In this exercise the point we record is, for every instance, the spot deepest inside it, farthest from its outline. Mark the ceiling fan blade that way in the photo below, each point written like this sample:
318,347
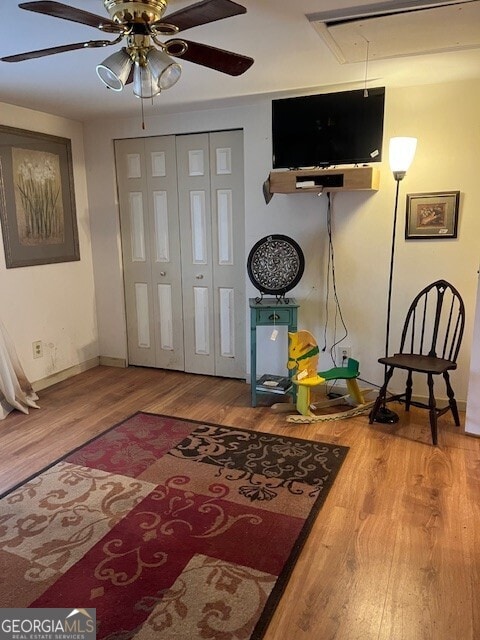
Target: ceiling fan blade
225,61
59,10
203,13
40,53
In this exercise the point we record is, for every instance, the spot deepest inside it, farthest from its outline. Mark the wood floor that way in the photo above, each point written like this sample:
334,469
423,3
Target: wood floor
395,551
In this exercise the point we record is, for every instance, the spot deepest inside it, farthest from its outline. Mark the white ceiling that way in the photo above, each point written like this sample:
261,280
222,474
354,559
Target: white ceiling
289,54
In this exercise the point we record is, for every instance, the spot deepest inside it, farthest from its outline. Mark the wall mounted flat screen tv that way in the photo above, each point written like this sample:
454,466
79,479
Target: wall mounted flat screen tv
328,129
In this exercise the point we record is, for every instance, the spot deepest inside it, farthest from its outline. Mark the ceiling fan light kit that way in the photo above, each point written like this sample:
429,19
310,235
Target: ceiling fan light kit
153,70
141,23
166,71
144,84
114,71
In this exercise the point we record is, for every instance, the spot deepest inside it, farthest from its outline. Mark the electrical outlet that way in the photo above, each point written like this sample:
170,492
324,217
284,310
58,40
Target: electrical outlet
343,354
37,348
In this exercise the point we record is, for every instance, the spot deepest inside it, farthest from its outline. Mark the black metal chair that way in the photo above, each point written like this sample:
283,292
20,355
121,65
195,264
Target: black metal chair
430,343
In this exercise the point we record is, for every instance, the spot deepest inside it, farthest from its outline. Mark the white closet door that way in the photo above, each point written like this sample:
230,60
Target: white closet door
193,169
228,244
132,191
147,185
182,220
160,153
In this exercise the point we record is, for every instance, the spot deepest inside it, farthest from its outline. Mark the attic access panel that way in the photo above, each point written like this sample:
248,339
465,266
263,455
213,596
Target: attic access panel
408,32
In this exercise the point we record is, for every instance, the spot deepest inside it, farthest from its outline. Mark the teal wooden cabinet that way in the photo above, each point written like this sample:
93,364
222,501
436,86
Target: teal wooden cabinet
268,311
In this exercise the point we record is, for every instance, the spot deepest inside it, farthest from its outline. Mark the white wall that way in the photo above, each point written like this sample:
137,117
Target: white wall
54,303
472,422
443,117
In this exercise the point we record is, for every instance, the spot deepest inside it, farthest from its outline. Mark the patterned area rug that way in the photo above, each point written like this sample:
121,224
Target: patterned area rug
171,529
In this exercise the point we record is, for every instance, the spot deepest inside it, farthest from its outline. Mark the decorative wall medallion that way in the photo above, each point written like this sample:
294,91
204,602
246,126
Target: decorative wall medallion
275,265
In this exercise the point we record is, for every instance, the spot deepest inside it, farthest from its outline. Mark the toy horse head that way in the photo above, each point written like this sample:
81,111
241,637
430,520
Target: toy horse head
303,353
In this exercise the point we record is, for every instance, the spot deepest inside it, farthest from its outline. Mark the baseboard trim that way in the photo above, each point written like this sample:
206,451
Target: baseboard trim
59,376
106,361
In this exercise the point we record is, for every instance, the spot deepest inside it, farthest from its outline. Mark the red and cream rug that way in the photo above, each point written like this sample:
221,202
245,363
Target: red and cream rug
172,529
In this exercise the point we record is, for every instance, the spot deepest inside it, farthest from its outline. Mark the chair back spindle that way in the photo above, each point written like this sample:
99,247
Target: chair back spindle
435,322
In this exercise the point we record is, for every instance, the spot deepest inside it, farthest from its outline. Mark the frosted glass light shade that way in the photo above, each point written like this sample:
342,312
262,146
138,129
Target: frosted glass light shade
401,154
145,84
114,70
163,68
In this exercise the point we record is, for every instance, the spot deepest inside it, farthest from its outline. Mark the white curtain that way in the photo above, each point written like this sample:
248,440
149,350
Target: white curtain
15,390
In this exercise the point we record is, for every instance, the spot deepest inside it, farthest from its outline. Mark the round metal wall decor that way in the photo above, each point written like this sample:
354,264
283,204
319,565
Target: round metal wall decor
275,264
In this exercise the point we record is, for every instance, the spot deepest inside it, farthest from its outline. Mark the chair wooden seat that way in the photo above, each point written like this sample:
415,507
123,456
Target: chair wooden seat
430,343
420,363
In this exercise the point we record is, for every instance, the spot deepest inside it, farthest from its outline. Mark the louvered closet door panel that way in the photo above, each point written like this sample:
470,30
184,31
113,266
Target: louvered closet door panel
164,238
193,170
228,243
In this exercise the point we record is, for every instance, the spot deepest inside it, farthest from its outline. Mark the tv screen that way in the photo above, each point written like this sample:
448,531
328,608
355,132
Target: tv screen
328,129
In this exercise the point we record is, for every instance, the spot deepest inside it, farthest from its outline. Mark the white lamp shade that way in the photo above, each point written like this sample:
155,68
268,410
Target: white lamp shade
145,84
163,68
115,69
401,153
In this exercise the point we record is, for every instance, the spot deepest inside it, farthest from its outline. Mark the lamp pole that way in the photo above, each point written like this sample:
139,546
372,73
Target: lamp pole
402,151
384,415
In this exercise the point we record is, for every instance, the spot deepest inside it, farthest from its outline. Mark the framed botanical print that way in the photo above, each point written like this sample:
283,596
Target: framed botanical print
37,198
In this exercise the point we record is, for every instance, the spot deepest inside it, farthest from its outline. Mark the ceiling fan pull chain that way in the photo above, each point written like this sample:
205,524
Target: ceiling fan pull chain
143,115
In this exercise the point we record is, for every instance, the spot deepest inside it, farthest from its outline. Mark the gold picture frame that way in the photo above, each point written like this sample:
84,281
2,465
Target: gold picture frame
37,198
432,215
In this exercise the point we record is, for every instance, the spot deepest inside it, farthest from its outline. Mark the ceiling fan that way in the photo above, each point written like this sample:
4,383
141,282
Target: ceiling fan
145,59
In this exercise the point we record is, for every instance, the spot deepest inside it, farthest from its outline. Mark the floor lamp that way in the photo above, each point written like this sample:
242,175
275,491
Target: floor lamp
401,154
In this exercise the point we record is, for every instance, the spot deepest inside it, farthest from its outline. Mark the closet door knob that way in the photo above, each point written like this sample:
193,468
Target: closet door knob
199,276
163,273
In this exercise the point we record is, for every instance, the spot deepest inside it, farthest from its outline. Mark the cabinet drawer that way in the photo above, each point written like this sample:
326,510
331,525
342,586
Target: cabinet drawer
274,316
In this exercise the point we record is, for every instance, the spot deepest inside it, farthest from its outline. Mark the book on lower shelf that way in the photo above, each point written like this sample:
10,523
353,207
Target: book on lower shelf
274,384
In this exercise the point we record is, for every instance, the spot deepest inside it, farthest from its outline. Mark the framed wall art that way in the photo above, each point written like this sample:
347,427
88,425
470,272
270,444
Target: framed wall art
432,215
37,198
